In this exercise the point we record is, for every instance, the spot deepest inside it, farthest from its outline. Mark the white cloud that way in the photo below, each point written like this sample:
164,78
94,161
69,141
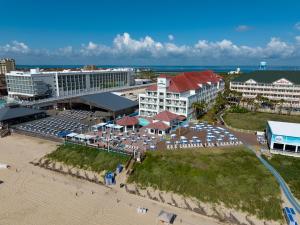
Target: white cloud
297,25
125,44
15,47
242,28
126,49
68,50
92,49
278,48
171,37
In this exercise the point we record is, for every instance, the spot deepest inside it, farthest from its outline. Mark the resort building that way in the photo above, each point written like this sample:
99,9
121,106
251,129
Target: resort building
37,84
176,94
283,138
275,85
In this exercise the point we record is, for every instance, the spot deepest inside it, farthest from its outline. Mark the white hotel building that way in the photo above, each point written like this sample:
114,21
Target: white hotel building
176,94
37,84
274,85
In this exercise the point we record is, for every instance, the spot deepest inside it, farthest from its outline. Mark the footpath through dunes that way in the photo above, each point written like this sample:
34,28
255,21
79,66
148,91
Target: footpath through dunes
233,177
33,195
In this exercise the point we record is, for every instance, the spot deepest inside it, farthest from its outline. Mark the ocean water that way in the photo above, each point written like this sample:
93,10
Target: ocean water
169,68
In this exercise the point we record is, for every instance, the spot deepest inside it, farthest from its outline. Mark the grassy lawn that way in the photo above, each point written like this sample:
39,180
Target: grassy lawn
232,176
87,158
289,169
256,121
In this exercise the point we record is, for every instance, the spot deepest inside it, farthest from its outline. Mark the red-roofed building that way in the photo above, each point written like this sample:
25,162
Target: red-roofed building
163,122
176,94
159,128
128,121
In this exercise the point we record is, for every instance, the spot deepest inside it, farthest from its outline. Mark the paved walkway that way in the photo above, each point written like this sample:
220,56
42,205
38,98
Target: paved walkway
280,180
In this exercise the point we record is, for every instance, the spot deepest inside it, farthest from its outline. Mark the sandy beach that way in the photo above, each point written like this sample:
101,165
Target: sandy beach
35,196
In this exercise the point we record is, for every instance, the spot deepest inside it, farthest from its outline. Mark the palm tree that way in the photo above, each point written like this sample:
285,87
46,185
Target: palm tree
199,108
250,102
235,96
281,102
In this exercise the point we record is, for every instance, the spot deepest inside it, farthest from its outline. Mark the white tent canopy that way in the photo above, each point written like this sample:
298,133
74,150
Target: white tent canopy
97,126
114,126
72,135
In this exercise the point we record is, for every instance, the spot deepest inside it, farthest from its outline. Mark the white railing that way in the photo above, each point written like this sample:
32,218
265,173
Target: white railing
53,99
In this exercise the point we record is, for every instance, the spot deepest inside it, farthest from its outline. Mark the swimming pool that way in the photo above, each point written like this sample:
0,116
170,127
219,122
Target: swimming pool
2,103
143,122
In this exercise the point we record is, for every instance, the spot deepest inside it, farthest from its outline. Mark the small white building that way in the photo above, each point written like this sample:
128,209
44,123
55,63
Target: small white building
283,137
164,122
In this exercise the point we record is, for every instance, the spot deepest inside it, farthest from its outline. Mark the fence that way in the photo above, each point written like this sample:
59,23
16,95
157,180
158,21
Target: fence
48,138
119,151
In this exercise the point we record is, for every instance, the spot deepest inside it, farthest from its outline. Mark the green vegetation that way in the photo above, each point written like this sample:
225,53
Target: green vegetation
238,109
233,176
256,121
146,74
289,169
199,108
87,158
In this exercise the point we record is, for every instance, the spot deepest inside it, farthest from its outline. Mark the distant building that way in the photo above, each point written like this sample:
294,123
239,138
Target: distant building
176,94
37,84
283,138
274,85
237,71
90,67
6,65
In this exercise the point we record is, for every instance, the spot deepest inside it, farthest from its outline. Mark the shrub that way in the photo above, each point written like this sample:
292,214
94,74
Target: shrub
238,109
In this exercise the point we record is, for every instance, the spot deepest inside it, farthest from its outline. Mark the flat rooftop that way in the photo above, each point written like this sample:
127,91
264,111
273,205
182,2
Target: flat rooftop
285,129
67,71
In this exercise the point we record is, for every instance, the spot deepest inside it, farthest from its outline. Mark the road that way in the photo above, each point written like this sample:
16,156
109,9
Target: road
280,180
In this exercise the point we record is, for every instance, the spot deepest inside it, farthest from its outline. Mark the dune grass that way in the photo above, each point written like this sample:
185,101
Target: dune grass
256,121
87,158
289,169
233,176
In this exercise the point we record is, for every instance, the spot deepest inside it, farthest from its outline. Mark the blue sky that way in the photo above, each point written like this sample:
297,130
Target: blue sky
151,32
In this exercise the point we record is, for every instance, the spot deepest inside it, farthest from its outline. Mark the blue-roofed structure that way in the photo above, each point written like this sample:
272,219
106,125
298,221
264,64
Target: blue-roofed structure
107,102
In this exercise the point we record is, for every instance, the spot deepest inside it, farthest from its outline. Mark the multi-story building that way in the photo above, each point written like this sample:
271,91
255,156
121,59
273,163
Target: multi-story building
176,94
275,85
6,65
40,84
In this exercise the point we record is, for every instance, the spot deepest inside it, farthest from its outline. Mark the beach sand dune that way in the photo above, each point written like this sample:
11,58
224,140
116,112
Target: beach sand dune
35,196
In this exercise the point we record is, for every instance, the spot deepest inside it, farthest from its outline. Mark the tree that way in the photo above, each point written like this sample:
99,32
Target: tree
250,102
220,103
199,108
234,96
281,102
